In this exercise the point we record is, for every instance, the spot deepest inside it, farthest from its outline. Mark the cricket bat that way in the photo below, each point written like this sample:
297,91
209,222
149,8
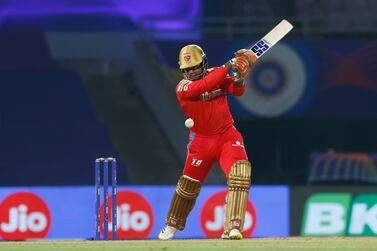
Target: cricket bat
269,40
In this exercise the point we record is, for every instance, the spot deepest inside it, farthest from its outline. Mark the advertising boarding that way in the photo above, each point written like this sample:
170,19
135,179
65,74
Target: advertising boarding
69,212
334,211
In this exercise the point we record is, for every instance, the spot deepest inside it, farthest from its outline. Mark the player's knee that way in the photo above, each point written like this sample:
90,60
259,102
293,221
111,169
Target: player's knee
240,175
188,188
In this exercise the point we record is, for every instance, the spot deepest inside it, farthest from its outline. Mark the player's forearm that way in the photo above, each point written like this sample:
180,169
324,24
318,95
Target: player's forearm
238,90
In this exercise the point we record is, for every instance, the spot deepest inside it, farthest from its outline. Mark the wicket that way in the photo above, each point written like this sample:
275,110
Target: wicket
104,164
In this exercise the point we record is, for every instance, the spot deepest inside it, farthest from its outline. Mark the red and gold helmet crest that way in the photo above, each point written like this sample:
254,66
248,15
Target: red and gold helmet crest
187,56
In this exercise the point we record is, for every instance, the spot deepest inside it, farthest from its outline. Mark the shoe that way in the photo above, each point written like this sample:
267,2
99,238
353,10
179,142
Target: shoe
235,234
225,236
167,233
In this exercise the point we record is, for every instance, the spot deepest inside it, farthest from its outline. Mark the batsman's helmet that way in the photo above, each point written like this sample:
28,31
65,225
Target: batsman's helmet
192,62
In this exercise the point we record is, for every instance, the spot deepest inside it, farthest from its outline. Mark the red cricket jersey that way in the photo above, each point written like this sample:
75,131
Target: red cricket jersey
205,101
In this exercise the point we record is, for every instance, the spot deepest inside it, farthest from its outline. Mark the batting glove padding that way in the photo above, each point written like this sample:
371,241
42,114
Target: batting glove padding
248,54
242,65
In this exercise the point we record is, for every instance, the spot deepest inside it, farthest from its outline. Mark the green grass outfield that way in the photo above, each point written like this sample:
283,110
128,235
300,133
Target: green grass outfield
257,244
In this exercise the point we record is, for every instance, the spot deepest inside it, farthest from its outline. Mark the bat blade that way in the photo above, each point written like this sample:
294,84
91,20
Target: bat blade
271,38
278,32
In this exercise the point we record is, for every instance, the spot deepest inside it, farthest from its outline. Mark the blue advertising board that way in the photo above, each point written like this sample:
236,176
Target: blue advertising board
68,212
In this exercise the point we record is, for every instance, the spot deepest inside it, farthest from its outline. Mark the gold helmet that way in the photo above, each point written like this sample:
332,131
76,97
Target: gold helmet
191,59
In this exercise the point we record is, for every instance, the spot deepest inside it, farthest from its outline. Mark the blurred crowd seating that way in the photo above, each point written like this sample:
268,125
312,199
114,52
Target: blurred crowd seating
343,167
49,130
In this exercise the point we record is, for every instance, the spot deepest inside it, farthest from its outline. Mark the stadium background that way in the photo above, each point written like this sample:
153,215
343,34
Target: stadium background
80,80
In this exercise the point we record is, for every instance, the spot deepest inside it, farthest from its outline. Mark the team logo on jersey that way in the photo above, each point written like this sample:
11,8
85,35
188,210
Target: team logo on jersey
238,144
187,56
183,85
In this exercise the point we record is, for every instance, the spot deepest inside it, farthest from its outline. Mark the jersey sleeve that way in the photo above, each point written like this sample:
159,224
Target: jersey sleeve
231,87
187,90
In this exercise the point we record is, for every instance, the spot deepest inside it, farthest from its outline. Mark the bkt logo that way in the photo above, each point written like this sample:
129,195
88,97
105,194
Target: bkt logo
337,214
135,216
213,216
24,215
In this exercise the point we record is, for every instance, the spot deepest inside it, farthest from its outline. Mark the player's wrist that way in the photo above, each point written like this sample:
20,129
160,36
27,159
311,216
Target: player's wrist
239,82
228,65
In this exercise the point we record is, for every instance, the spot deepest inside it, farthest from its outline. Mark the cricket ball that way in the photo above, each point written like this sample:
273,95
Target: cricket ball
189,123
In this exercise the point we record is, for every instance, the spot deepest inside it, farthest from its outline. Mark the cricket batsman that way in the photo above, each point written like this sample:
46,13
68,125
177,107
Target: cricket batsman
202,96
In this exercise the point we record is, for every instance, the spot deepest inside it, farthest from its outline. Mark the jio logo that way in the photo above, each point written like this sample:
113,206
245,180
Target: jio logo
135,216
212,216
24,215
